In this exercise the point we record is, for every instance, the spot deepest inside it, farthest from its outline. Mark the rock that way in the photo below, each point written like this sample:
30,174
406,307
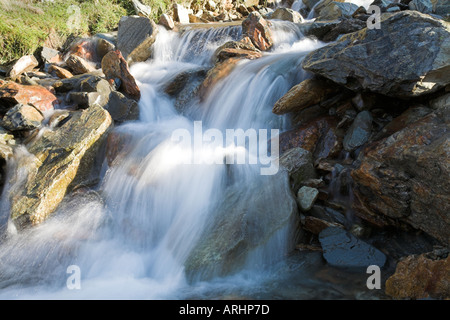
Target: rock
22,117
306,197
78,65
287,15
337,10
342,249
135,38
6,144
60,72
210,5
118,145
411,115
250,3
441,7
318,29
74,83
166,21
344,27
298,163
114,67
121,108
85,100
327,214
419,277
315,225
359,132
369,59
12,93
238,49
246,219
319,136
141,9
440,102
24,64
62,156
103,47
404,179
424,6
49,55
242,9
305,94
195,19
96,84
180,14
85,48
258,30
214,75
181,80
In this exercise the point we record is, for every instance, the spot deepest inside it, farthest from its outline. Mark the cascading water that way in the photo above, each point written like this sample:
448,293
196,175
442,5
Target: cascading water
132,237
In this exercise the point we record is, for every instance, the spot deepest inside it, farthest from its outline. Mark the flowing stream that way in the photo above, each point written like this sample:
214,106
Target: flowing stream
131,238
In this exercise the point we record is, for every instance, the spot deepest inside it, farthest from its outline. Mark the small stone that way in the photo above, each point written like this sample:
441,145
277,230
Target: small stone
79,65
60,72
22,117
306,197
24,64
359,132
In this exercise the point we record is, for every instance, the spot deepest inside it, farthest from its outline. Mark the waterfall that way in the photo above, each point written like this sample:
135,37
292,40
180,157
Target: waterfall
133,235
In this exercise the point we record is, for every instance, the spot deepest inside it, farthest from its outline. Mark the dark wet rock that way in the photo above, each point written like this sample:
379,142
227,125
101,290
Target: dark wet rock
342,249
121,108
343,27
359,132
386,60
316,225
135,37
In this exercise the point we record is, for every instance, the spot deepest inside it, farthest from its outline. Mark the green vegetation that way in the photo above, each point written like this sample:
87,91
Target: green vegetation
26,24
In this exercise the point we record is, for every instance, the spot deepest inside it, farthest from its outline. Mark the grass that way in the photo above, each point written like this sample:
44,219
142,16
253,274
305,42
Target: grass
26,24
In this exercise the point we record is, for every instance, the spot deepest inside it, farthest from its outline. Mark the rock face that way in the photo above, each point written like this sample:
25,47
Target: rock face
22,117
115,67
258,30
419,277
305,94
135,37
342,249
12,93
387,60
245,220
405,178
60,157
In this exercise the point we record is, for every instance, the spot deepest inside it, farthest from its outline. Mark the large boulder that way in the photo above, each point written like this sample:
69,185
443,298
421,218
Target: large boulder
135,37
60,157
245,220
258,30
387,60
12,93
405,178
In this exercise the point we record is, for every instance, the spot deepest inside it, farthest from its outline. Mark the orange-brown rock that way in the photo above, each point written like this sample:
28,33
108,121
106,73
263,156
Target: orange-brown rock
214,75
418,277
114,66
319,136
12,93
405,178
60,72
258,30
305,94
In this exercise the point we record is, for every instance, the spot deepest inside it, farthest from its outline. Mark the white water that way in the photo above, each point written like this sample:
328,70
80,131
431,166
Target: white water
131,239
